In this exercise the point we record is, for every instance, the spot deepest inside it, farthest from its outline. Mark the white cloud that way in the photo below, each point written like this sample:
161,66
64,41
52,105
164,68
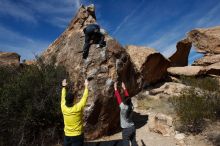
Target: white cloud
209,19
11,36
148,26
35,11
76,2
127,18
166,44
16,42
210,16
16,10
59,22
169,50
164,40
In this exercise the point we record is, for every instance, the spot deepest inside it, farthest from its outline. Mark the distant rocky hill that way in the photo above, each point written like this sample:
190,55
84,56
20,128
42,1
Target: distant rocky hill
9,59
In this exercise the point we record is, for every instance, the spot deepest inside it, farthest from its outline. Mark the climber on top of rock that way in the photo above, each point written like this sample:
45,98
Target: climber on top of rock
93,35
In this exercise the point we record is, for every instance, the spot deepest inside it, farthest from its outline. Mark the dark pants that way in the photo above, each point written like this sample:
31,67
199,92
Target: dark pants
97,38
129,134
74,140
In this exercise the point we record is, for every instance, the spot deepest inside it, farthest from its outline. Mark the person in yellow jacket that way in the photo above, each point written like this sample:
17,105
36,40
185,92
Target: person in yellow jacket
73,116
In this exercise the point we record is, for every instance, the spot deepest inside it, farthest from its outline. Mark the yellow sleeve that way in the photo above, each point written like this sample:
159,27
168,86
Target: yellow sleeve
63,95
81,104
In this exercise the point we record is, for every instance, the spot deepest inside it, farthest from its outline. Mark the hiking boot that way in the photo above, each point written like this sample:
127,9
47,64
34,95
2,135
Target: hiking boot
100,46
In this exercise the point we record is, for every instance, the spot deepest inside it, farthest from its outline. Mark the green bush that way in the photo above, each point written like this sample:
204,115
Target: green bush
194,106
205,83
30,105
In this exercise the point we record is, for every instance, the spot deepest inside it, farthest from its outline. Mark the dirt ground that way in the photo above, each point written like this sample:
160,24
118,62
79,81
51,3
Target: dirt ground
147,138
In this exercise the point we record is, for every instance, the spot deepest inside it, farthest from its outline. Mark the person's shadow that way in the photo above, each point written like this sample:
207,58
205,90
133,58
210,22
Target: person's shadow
109,143
105,143
142,142
139,120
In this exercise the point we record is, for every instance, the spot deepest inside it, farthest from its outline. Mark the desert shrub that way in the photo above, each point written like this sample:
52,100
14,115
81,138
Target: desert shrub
194,105
30,105
205,83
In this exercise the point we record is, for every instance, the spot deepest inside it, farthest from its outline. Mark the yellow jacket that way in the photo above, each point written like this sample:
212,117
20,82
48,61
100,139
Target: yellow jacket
73,122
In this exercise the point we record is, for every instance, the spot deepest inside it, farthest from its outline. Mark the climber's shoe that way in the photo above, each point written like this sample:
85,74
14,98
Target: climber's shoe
86,62
98,46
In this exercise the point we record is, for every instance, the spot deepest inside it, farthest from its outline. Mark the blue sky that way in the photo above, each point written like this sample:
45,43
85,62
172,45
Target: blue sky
29,26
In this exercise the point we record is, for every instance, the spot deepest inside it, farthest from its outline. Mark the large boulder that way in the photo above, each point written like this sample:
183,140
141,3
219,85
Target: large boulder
206,40
213,69
149,63
186,71
208,59
180,57
103,67
161,123
168,89
8,59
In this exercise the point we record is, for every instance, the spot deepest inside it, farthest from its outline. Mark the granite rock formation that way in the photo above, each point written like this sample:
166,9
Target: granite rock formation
206,40
8,59
180,57
104,66
150,64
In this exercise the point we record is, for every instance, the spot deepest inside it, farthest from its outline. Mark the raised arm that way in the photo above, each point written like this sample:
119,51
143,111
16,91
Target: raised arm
117,95
63,92
125,89
81,104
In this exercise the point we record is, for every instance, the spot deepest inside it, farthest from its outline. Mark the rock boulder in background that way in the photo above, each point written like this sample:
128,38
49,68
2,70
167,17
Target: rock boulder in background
206,40
186,71
208,59
8,59
180,57
150,64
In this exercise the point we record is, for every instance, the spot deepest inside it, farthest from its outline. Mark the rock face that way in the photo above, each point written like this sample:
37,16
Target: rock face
186,71
169,89
206,40
180,57
29,62
9,59
149,63
207,60
213,69
161,123
104,66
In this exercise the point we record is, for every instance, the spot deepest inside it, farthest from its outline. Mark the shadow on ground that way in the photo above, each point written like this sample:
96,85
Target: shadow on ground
105,143
139,120
109,143
215,139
